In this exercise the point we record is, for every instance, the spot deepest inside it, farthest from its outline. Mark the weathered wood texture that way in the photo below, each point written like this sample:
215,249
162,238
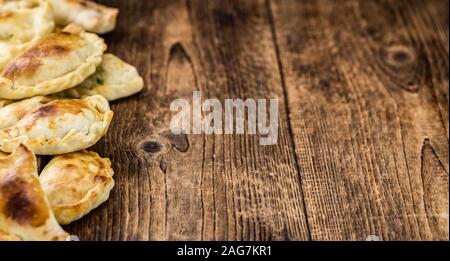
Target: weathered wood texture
367,87
363,139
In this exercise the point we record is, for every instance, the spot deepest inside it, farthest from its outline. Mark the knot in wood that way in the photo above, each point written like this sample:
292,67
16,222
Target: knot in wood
152,146
400,55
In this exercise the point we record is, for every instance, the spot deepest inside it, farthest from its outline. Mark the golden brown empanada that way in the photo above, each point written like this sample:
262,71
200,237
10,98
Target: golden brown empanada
12,113
114,79
60,126
54,63
76,183
22,23
91,16
24,211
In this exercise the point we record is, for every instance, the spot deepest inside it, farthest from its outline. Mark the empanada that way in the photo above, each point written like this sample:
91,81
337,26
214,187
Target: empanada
12,113
24,211
76,183
114,79
60,126
55,63
91,16
22,23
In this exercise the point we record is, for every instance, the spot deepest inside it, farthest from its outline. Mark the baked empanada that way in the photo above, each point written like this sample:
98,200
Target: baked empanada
24,211
22,23
76,183
60,126
91,16
12,113
54,63
114,79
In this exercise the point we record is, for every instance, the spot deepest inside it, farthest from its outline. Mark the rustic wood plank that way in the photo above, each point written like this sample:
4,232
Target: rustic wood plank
194,187
367,88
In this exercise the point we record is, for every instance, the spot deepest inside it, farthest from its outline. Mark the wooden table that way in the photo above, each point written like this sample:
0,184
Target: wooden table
364,125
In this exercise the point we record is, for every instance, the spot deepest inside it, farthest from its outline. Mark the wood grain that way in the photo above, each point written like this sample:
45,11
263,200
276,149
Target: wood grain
363,138
367,84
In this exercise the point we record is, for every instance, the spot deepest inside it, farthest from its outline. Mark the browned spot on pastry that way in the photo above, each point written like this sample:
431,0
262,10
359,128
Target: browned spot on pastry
55,45
100,179
23,65
22,112
59,107
34,4
6,15
82,3
21,203
45,100
19,207
52,110
46,110
70,166
101,164
66,156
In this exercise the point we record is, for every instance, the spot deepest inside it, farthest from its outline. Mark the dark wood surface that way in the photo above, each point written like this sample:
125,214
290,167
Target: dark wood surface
364,125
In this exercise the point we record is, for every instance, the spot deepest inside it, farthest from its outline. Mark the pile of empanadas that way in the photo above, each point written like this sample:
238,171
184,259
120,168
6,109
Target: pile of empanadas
56,82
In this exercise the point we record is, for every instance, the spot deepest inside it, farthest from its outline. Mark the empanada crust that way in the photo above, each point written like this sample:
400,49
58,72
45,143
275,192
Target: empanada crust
7,237
21,24
55,63
60,126
14,112
114,79
3,102
93,17
76,183
24,210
